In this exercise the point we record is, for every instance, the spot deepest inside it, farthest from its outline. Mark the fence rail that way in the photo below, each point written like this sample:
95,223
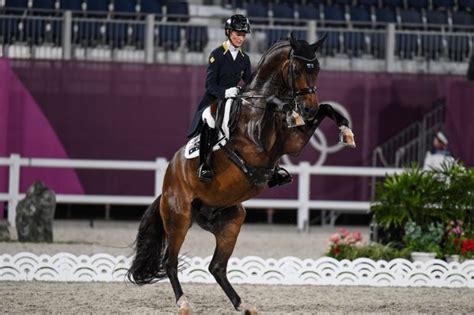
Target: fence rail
303,204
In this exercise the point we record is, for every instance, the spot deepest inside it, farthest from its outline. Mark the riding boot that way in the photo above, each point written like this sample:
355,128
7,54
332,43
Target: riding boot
280,177
205,172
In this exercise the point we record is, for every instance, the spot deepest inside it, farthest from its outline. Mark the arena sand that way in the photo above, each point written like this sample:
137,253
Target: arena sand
262,240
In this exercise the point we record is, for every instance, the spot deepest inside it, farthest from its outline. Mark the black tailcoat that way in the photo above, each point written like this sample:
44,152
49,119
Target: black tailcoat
223,72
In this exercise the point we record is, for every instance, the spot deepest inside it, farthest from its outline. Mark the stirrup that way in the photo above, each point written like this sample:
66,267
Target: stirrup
205,173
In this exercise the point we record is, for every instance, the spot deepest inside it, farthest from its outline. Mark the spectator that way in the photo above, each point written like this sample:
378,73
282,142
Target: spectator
440,154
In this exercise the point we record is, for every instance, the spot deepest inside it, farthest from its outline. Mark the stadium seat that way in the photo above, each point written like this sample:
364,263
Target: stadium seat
257,13
124,7
283,11
196,38
392,3
459,48
436,18
361,16
94,6
462,18
410,18
17,4
334,16
9,30
443,4
332,45
308,12
466,4
406,45
342,2
275,34
116,34
44,4
368,3
385,15
169,36
73,5
151,7
177,11
417,4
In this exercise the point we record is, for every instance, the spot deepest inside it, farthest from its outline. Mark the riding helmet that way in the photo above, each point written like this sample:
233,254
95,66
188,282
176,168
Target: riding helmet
238,23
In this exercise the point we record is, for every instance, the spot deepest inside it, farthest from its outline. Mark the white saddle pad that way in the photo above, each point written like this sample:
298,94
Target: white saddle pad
192,147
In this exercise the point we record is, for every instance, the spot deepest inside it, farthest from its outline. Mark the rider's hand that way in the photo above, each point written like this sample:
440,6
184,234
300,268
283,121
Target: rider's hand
231,92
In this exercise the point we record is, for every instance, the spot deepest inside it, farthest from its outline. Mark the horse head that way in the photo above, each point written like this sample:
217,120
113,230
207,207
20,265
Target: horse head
300,72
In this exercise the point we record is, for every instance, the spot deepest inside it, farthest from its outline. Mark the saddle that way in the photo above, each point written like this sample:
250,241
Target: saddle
225,119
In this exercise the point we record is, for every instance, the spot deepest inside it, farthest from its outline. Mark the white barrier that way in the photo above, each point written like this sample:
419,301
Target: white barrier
255,270
303,204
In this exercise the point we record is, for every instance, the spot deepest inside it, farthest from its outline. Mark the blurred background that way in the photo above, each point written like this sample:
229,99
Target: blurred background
111,81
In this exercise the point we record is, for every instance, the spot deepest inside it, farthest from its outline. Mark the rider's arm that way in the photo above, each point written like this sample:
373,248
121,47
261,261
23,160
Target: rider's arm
212,76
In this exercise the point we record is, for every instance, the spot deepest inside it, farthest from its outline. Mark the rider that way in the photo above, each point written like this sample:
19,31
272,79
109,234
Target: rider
228,66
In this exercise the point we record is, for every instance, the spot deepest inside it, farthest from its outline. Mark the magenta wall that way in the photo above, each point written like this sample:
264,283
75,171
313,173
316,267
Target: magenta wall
140,112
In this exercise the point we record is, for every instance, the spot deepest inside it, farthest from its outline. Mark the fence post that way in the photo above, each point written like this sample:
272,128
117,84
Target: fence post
160,170
390,47
67,35
304,182
13,187
149,27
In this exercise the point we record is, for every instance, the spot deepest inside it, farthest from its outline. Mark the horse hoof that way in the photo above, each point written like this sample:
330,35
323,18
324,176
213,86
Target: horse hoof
346,137
184,306
247,309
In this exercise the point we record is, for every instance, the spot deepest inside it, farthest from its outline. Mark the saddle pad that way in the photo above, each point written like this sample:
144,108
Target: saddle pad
192,147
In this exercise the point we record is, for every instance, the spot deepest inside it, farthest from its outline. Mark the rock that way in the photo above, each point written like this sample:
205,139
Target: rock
35,214
4,232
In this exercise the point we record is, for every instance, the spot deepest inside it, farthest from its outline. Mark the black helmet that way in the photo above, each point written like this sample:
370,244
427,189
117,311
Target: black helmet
238,23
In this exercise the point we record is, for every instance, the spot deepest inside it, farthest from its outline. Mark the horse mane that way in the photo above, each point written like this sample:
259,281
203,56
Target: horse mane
277,45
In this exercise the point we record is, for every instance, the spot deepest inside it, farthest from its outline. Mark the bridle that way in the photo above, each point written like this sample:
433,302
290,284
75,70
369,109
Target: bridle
294,93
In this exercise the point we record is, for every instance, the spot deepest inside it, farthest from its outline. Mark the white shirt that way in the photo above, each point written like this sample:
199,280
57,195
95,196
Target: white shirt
233,50
437,159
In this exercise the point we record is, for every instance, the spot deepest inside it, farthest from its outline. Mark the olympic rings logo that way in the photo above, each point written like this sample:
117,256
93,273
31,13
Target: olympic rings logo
319,142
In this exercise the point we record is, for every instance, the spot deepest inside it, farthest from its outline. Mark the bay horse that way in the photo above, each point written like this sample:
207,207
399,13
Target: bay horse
284,82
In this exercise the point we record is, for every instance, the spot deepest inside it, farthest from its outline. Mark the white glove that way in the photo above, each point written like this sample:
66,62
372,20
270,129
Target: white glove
231,92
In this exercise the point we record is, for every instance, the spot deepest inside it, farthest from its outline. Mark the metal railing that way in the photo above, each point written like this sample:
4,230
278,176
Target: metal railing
149,38
303,203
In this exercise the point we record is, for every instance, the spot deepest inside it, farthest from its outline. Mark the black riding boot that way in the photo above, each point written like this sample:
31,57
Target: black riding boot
280,177
205,172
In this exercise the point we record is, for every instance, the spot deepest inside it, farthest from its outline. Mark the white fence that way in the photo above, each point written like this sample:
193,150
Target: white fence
303,204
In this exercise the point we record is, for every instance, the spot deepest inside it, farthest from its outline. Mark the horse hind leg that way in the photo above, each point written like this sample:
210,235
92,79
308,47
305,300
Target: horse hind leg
176,225
226,228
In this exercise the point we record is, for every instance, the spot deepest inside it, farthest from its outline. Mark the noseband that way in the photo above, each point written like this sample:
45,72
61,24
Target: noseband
295,93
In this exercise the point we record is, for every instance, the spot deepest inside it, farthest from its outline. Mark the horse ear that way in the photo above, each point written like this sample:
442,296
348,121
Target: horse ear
318,44
293,41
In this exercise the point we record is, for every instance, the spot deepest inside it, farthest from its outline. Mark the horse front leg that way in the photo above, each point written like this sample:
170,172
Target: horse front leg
346,136
226,228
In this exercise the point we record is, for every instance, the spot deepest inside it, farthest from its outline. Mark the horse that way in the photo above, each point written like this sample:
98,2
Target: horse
282,87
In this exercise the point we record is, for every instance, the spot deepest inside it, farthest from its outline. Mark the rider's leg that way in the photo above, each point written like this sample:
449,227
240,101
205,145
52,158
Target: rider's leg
280,177
207,138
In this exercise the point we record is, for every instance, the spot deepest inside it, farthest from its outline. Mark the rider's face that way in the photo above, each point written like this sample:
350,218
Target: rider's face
237,38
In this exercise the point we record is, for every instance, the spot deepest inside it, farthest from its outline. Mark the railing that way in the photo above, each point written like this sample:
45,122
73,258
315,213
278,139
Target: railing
303,203
377,47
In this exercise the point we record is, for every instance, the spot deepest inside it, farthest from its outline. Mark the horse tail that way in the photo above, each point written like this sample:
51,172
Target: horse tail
147,265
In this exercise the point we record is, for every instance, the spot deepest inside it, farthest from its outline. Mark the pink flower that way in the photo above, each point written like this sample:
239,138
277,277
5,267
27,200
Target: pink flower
335,238
357,236
344,232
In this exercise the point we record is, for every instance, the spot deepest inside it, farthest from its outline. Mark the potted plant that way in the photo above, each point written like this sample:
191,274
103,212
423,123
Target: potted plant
453,240
424,244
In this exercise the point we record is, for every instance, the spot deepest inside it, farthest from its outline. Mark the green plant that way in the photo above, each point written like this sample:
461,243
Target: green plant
428,239
439,195
409,196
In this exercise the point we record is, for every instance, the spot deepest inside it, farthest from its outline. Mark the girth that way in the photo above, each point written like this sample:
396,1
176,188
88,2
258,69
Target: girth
257,176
